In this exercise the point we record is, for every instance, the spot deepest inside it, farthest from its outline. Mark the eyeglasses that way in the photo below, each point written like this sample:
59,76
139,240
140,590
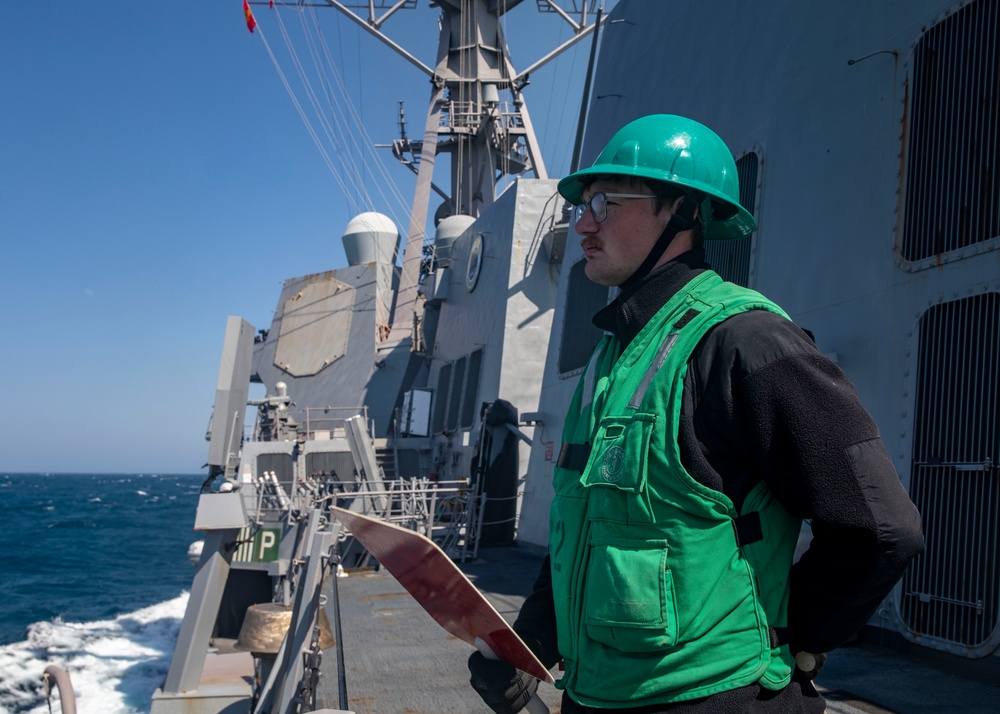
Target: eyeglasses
598,204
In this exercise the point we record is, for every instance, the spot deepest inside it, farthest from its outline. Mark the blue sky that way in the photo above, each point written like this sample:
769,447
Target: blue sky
156,177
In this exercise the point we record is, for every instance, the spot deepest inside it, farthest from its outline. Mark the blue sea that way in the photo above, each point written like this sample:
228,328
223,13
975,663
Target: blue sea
96,578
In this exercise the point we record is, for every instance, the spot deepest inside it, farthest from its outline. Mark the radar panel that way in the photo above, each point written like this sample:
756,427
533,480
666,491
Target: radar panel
315,327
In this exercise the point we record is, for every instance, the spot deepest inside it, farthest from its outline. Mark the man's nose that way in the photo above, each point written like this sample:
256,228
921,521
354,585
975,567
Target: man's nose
585,223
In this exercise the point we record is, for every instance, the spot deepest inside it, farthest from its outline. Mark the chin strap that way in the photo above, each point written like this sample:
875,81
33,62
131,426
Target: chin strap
682,220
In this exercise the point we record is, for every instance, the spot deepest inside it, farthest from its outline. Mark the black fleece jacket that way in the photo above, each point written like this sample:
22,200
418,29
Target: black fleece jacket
761,403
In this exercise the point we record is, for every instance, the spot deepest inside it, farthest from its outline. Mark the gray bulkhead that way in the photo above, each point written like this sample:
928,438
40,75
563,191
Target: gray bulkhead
823,95
328,326
506,314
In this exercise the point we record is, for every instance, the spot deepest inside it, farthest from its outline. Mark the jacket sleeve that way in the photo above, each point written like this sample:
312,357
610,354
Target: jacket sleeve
536,622
820,453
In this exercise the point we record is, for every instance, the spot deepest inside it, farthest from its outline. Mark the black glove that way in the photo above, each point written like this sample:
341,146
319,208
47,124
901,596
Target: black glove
504,689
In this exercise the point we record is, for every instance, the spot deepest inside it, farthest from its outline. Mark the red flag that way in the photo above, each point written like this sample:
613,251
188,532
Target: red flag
272,4
251,23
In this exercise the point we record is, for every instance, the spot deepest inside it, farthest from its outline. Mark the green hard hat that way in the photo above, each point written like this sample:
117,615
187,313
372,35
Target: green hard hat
679,151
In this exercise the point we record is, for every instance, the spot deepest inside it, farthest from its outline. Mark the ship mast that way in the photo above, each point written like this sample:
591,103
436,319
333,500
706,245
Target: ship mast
476,114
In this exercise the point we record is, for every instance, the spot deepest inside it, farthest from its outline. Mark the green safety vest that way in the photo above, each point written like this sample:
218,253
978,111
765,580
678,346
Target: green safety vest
663,592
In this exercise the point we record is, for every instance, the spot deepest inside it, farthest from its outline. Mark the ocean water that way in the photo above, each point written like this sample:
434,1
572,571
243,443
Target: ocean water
95,580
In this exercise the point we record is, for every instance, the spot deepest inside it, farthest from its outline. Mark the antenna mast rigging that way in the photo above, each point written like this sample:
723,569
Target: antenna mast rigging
476,114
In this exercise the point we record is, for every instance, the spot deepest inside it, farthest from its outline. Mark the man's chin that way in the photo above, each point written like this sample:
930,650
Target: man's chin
595,275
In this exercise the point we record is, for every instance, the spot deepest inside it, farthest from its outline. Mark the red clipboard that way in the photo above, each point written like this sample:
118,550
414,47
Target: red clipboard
441,589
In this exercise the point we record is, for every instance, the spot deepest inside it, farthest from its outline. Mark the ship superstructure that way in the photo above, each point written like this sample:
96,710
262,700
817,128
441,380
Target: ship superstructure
866,140
399,393
866,137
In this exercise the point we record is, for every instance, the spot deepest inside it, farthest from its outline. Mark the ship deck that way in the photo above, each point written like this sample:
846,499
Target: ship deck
399,661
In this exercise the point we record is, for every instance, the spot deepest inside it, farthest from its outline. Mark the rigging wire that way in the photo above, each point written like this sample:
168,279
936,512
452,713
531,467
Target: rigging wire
361,88
563,120
323,114
337,124
340,133
327,67
298,107
332,111
352,118
368,145
455,111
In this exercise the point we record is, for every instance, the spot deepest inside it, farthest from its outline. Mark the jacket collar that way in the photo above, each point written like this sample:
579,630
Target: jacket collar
627,314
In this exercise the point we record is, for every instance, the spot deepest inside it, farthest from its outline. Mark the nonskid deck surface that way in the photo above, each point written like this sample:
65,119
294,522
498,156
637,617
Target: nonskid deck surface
399,661
878,680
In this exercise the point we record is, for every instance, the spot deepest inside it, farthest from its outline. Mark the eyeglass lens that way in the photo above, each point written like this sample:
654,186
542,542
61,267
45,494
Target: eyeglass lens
598,205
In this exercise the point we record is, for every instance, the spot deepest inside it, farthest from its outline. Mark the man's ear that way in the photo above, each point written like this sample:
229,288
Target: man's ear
677,204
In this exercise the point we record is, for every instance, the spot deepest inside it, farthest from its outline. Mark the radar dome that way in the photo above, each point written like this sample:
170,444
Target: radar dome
370,238
448,231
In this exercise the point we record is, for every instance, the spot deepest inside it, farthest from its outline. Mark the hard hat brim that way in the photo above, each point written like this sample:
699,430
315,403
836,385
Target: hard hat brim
739,225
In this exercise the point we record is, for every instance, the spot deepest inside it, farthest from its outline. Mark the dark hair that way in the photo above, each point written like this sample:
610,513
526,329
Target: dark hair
666,194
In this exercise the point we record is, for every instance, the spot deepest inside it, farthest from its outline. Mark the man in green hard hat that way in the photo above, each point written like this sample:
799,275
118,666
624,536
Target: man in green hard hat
704,429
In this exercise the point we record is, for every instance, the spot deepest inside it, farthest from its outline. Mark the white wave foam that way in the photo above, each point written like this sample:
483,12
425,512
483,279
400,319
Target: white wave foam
114,664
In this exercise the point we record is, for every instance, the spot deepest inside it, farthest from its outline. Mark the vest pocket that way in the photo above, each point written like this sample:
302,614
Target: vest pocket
629,601
616,472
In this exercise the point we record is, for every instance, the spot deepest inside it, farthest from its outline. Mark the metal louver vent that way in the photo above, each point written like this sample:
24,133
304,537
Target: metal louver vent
471,394
282,465
952,192
951,593
441,398
455,399
731,258
579,336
